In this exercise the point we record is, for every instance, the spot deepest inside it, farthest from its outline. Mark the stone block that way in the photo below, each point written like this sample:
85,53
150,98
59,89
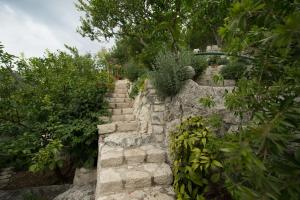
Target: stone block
110,181
157,129
126,139
117,111
159,108
127,126
127,110
159,138
163,175
120,91
156,155
111,156
123,105
117,100
134,156
137,179
157,118
151,168
114,95
112,105
107,128
116,118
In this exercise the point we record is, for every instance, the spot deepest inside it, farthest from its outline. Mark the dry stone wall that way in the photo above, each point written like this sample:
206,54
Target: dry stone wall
158,117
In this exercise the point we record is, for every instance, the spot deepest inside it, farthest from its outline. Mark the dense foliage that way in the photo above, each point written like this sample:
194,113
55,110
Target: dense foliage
263,159
170,72
49,109
143,28
235,69
138,86
195,165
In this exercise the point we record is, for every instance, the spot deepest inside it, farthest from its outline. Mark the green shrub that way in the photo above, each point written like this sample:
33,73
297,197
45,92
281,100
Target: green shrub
138,86
170,72
196,169
199,63
234,70
134,70
49,107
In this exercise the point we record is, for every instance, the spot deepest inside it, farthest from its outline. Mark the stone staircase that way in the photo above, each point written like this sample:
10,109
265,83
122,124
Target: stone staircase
129,165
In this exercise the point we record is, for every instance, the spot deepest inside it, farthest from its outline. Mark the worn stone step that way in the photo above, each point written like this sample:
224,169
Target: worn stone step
127,139
107,128
121,91
120,111
120,105
123,86
150,193
114,95
116,156
117,127
127,126
119,100
132,177
126,117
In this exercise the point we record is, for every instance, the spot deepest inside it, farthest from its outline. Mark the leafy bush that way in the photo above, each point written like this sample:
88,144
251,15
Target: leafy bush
170,72
49,108
134,70
199,63
138,86
196,168
234,70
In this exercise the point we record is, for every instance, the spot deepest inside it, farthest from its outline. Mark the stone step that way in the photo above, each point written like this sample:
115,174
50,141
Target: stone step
117,127
132,177
121,91
127,139
114,95
122,86
126,117
117,156
127,126
151,193
120,105
120,111
119,100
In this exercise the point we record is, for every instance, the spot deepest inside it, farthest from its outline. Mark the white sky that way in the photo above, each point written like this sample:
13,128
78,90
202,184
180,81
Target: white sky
32,26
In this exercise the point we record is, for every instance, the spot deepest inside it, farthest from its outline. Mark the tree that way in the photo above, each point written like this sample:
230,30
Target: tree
263,160
146,27
49,109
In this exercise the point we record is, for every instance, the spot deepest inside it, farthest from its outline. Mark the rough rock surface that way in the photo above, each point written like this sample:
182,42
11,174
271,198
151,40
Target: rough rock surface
86,192
84,176
43,192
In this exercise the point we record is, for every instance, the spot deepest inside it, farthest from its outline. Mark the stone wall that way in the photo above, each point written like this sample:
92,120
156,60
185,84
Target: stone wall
149,110
157,117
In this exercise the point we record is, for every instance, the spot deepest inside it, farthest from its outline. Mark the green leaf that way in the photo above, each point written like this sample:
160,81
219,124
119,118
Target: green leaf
215,177
217,163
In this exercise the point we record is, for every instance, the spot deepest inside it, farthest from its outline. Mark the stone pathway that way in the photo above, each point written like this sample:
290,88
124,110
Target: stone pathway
130,167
